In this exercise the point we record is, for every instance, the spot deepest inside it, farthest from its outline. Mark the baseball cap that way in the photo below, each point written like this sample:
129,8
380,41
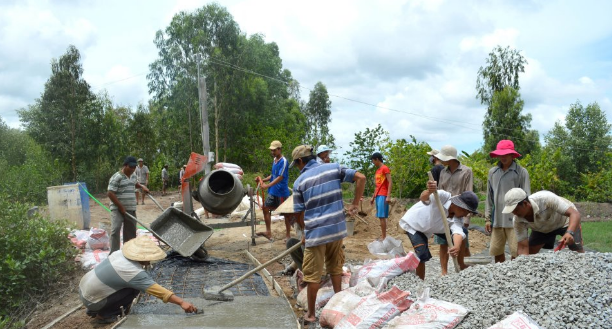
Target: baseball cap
275,145
323,148
140,160
130,161
300,152
466,200
512,198
447,153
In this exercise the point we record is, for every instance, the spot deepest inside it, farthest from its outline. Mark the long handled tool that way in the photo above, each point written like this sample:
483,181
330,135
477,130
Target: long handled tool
447,234
155,201
218,294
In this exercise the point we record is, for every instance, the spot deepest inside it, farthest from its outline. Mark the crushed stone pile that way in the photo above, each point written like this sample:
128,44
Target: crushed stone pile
558,290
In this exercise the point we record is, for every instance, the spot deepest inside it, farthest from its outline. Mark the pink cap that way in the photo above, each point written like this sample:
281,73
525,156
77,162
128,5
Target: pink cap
504,147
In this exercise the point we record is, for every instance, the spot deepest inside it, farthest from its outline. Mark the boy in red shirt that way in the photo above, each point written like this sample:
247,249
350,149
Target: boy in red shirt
382,194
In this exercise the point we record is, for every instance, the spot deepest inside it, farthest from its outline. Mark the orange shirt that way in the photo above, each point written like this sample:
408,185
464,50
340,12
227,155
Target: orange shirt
382,184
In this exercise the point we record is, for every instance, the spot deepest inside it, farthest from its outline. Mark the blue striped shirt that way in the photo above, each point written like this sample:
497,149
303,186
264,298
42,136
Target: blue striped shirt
317,192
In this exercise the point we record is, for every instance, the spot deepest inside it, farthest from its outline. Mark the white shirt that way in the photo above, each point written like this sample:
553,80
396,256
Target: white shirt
426,217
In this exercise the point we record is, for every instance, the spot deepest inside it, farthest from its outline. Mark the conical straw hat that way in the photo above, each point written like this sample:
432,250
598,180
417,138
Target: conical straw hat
142,249
286,207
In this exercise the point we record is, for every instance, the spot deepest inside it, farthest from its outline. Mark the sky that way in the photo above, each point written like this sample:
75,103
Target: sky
410,66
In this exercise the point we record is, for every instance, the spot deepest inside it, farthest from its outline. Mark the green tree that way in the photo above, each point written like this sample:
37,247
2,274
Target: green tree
362,147
318,116
504,120
584,140
409,166
502,70
58,119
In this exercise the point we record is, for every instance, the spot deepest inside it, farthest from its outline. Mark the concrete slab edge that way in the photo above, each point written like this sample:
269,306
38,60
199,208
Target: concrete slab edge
277,286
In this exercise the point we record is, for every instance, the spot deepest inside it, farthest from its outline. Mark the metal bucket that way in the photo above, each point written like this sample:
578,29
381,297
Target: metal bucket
220,192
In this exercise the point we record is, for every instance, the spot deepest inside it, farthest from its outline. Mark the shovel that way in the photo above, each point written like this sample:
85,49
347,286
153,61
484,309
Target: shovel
361,212
217,294
155,201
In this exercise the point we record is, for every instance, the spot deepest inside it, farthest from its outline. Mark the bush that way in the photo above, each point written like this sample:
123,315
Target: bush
35,254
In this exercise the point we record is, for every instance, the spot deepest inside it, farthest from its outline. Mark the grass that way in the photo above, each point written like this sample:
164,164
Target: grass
597,235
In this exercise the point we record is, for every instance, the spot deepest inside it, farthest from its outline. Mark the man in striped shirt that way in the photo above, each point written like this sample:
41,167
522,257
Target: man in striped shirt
121,187
317,198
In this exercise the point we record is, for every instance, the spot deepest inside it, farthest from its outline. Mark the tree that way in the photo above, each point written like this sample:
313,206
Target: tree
318,115
57,119
584,141
409,166
362,147
505,120
502,70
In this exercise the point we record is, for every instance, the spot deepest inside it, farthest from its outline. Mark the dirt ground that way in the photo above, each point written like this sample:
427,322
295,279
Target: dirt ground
230,244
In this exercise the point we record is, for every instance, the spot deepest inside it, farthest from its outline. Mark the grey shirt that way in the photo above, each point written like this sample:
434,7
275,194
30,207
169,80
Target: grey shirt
498,183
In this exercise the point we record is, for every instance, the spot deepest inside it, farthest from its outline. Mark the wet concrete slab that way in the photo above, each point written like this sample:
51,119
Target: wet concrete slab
242,312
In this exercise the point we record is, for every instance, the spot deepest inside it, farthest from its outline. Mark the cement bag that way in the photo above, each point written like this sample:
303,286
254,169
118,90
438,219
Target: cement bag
235,171
325,293
91,258
390,247
79,238
429,313
220,165
388,268
375,311
343,303
98,239
517,319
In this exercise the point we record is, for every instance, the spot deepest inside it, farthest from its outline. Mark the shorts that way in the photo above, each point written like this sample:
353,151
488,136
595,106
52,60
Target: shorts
382,207
499,237
548,239
420,245
273,202
441,238
139,190
330,254
166,184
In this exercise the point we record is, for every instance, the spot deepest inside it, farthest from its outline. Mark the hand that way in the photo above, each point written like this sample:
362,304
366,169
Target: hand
454,251
188,307
388,199
264,185
568,239
372,200
257,179
352,210
122,210
432,186
145,189
488,228
304,240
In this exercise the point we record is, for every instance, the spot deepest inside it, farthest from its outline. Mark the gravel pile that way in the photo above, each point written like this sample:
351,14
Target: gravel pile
560,290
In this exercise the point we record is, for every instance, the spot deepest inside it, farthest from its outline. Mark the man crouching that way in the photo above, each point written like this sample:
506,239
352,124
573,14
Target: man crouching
423,220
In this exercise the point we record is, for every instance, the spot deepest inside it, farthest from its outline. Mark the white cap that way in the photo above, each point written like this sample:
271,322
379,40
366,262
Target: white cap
323,148
447,153
512,198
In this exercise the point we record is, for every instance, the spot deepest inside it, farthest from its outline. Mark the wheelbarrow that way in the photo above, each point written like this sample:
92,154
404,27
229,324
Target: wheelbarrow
181,232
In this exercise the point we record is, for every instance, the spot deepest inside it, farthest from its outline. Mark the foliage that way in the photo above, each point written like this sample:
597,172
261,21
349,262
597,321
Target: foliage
542,171
480,163
585,140
36,253
504,120
597,186
502,70
318,114
362,148
409,165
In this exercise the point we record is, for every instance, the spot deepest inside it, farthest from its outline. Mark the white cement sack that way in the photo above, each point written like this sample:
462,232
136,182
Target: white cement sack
220,165
390,247
429,313
98,239
515,320
388,268
343,303
91,258
325,293
79,238
376,310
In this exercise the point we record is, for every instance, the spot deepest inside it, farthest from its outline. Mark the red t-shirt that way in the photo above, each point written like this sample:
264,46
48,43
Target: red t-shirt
382,184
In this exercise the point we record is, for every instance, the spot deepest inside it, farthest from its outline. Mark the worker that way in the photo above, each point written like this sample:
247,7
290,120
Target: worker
506,175
123,200
436,163
110,287
547,215
456,178
142,174
424,219
165,179
382,193
317,198
278,188
323,152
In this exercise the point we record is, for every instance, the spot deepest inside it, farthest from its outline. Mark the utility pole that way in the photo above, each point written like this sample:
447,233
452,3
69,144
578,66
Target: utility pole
202,98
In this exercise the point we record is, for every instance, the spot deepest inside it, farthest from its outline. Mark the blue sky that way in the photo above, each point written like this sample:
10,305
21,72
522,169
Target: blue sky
417,57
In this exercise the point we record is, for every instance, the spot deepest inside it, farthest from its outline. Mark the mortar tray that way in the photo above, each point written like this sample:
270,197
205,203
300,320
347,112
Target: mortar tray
180,231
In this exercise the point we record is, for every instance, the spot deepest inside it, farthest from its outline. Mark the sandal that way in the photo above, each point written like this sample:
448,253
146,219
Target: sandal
308,324
288,271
